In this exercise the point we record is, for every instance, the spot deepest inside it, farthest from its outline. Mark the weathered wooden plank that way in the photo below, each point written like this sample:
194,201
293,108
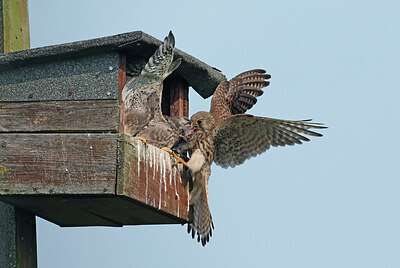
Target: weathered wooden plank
146,174
57,163
101,115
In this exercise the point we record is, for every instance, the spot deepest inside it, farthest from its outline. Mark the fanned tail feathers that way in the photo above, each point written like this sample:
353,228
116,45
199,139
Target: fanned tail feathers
160,63
200,216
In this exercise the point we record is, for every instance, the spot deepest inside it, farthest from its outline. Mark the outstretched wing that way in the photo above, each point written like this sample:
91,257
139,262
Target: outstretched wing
238,95
141,95
160,64
157,68
241,137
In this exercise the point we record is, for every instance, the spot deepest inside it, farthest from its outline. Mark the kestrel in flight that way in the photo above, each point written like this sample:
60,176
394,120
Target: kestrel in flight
229,137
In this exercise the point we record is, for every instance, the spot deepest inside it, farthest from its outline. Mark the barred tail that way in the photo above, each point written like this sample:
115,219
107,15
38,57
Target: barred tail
200,215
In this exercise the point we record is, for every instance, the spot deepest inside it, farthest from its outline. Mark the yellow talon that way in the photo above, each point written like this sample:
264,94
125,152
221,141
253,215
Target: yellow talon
142,139
168,150
178,159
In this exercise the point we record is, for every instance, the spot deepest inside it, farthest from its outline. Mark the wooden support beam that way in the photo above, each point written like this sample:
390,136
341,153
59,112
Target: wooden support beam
14,25
179,96
25,238
17,227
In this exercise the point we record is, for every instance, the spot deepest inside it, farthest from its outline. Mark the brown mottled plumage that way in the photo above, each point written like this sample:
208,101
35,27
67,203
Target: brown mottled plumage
142,99
228,137
200,166
238,95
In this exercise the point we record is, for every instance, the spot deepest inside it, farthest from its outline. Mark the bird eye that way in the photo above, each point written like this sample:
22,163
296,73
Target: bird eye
199,122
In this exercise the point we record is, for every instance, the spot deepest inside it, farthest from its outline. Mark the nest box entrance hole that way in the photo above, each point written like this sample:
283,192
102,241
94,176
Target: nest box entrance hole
175,97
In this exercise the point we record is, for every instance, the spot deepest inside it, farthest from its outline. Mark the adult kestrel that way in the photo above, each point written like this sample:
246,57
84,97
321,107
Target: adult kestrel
228,137
142,96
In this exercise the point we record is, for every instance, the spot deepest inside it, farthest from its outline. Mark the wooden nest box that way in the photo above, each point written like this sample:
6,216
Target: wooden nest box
62,154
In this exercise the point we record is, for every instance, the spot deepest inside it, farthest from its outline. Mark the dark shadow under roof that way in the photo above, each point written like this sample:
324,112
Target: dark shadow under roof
200,76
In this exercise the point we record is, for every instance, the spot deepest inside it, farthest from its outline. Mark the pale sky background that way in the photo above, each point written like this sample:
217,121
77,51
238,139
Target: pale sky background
332,202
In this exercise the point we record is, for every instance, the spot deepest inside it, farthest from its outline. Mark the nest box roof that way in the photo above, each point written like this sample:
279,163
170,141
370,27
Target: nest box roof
200,76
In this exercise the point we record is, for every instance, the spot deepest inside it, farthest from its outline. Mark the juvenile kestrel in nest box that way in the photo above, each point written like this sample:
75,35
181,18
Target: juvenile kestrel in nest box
142,96
228,137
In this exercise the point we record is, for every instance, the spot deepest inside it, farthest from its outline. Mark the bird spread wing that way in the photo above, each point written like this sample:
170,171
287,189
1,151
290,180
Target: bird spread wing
243,136
238,95
157,68
160,63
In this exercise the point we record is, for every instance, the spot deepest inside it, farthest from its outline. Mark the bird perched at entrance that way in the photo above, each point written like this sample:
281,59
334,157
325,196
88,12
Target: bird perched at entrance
228,137
143,117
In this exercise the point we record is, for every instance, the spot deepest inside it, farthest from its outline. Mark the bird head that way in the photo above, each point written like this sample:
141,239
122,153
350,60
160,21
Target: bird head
202,121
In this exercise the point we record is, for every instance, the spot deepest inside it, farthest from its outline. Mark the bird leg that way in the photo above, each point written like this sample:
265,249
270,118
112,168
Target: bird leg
176,156
142,139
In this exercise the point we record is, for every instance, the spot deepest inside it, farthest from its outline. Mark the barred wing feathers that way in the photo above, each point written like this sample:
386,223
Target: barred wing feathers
243,136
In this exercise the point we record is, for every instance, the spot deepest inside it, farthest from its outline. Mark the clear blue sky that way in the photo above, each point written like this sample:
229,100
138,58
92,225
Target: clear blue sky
332,202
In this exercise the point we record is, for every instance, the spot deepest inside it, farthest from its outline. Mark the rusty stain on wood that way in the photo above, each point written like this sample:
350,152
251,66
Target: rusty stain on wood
121,85
58,163
149,177
100,115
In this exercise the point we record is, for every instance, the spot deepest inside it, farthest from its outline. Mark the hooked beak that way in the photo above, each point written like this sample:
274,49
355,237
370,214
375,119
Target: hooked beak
194,125
190,133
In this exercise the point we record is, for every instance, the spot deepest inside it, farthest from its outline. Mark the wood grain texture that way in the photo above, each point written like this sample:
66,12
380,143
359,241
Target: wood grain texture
121,85
15,26
146,174
179,96
100,115
57,163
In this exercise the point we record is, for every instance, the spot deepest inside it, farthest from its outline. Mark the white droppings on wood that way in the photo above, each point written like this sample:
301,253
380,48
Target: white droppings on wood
151,156
176,190
138,144
164,173
159,200
147,155
180,172
170,172
154,163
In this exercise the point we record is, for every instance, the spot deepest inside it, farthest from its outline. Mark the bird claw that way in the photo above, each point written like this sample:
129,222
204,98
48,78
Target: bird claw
143,140
176,156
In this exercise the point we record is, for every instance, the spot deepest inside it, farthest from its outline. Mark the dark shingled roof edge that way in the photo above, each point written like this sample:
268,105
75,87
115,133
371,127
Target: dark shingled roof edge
202,77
